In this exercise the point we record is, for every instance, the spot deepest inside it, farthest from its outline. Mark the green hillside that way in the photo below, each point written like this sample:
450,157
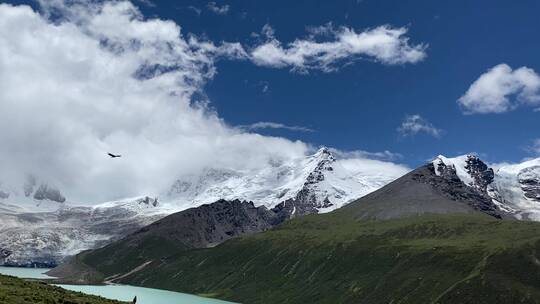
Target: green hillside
17,291
423,238
334,258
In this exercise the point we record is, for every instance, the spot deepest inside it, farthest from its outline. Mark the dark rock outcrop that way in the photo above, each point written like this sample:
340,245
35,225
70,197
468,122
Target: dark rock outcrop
306,200
451,186
529,179
148,201
45,192
210,224
480,172
4,253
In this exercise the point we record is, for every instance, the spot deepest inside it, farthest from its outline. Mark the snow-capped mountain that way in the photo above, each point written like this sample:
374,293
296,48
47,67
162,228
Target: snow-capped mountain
469,168
39,229
515,189
320,177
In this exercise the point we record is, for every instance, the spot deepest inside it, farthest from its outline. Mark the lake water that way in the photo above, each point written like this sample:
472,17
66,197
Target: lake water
116,292
25,273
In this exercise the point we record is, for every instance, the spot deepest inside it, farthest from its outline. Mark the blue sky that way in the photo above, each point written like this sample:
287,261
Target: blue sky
362,103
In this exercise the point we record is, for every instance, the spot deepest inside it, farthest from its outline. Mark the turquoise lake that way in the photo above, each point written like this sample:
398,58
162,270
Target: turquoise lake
117,292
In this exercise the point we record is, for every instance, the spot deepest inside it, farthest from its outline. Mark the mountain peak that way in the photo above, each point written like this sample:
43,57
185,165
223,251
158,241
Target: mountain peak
469,168
324,153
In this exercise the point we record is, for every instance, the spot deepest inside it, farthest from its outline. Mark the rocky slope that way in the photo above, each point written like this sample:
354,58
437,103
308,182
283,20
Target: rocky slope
515,188
431,189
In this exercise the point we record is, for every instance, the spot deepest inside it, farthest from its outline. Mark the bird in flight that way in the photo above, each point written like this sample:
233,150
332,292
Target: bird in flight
114,155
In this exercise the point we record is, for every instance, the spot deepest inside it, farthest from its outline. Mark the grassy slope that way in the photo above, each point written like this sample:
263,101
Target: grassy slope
334,258
123,256
17,291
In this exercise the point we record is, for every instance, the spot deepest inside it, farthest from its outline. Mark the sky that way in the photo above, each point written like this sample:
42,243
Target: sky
181,85
363,103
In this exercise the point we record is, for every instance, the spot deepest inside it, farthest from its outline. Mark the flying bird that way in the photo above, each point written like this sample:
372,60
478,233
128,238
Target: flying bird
114,155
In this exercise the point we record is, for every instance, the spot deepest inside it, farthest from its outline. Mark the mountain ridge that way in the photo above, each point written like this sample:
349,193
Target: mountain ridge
514,188
316,183
423,191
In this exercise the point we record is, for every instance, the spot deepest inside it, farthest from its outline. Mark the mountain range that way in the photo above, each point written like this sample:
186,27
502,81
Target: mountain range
435,235
38,230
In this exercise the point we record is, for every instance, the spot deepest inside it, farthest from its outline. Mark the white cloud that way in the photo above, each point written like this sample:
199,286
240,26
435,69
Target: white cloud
195,9
102,78
268,31
414,124
497,166
383,44
374,168
359,154
220,10
107,80
148,3
273,125
502,89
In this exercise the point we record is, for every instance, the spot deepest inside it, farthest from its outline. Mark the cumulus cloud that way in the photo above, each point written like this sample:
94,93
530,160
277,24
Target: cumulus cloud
104,79
215,8
414,124
384,44
82,79
502,89
274,125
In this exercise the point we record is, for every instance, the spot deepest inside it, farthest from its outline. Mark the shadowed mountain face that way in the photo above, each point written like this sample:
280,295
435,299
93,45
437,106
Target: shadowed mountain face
209,225
422,191
201,227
